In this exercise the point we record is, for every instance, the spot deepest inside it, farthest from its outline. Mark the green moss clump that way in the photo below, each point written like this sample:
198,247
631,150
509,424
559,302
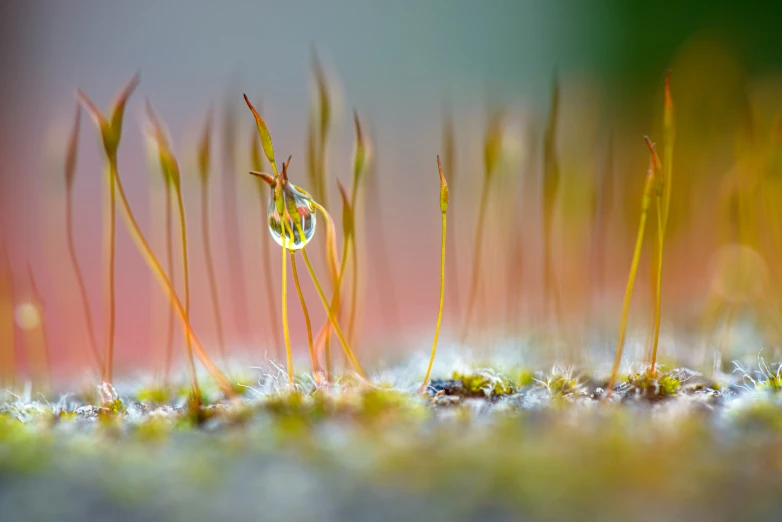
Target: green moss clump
153,395
660,386
772,382
115,407
484,384
561,382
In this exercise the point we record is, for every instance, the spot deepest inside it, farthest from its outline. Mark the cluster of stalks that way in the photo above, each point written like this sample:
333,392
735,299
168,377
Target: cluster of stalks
111,131
292,210
657,188
290,213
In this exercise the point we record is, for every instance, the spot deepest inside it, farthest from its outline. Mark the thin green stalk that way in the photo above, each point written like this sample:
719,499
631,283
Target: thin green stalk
146,252
335,304
449,146
286,333
659,188
313,356
347,233
631,278
111,130
660,232
80,277
440,310
353,292
189,343
170,262
478,249
257,165
210,270
443,208
109,241
359,162
267,275
70,173
332,319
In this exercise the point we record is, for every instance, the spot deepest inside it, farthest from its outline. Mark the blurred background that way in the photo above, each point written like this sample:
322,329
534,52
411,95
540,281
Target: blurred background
406,68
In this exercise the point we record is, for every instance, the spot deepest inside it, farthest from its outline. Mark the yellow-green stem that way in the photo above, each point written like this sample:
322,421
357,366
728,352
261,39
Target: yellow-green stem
658,290
170,262
439,311
188,341
332,319
267,275
313,356
210,270
477,248
286,333
335,304
79,277
109,239
630,283
353,293
149,257
354,255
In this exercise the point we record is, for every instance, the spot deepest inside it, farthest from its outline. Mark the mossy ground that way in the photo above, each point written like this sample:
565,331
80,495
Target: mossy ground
480,445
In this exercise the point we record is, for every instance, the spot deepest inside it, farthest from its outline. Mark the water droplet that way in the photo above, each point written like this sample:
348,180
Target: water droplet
297,203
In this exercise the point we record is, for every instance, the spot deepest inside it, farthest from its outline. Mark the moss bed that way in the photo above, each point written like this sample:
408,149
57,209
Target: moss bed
480,445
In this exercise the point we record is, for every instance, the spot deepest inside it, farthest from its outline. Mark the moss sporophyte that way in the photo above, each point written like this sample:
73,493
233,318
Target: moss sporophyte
291,223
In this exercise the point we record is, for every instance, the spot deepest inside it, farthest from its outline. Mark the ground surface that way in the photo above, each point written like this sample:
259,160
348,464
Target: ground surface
479,446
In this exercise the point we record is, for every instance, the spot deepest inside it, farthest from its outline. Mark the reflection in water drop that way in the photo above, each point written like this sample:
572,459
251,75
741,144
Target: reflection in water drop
298,203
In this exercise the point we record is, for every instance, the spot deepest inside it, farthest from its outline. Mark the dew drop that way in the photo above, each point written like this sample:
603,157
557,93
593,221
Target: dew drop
299,203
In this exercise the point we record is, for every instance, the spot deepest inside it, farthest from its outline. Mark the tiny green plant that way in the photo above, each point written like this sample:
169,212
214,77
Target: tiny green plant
658,262
359,161
170,168
256,162
663,204
111,133
361,158
204,170
655,386
111,130
291,222
347,231
168,232
70,174
645,203
443,209
318,133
